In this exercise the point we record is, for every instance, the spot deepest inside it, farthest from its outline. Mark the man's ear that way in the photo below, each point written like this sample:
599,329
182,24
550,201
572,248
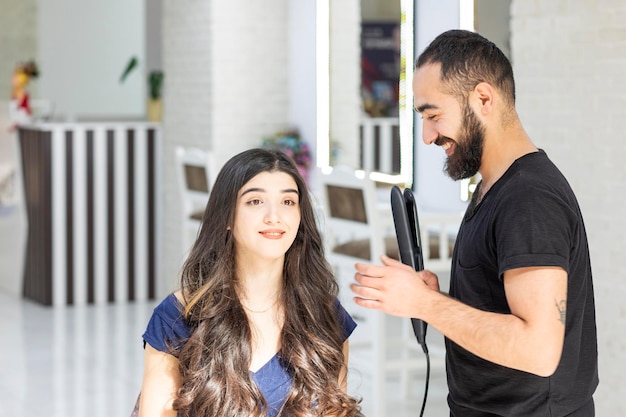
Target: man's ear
485,97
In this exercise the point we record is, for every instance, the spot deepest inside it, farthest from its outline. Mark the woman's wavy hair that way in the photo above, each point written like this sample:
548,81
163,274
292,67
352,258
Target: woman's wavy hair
214,361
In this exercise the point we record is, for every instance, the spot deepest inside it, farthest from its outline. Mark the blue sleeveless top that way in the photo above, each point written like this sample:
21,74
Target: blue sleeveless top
167,325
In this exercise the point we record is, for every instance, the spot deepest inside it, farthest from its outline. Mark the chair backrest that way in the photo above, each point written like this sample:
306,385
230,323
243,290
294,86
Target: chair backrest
439,232
354,225
195,180
359,224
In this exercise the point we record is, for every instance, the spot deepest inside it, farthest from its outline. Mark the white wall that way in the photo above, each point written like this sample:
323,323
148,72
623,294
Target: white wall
491,19
250,66
226,87
380,10
435,191
18,41
302,83
154,35
345,79
570,65
84,46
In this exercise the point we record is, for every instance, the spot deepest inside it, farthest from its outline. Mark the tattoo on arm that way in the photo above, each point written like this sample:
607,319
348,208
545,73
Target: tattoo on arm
561,306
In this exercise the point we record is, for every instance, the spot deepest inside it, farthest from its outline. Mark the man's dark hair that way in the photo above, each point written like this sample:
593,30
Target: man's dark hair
467,59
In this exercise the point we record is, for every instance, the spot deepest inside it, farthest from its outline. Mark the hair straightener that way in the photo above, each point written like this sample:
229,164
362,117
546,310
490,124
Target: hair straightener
406,222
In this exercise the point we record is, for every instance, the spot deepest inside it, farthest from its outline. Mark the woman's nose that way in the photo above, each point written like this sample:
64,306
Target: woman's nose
271,216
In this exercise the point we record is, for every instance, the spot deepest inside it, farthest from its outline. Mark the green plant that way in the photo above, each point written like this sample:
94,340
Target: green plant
155,82
130,66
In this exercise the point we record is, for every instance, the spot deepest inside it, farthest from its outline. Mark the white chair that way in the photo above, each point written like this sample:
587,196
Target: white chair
359,229
438,234
196,177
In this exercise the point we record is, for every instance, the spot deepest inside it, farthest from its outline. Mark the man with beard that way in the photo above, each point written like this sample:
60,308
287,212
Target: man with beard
519,320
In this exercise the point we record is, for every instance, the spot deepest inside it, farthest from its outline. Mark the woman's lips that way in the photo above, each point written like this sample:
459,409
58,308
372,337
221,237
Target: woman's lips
272,234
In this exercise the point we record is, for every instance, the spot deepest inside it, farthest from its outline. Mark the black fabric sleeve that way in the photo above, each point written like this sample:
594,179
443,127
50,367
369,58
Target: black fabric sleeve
534,227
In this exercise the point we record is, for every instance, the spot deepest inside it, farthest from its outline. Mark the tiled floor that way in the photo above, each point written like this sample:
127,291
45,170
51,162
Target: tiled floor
404,401
69,361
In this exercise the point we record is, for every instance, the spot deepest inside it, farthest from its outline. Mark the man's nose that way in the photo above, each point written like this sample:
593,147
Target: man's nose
429,133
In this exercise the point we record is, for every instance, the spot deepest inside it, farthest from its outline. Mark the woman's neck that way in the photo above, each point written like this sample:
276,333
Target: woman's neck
260,285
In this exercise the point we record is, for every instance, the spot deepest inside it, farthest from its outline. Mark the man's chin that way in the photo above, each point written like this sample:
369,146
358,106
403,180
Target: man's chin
457,173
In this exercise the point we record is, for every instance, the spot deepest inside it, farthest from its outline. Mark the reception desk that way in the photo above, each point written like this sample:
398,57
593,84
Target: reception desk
92,200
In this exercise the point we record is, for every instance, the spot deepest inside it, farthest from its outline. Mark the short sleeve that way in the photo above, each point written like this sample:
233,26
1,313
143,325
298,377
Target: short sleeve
345,321
167,329
535,230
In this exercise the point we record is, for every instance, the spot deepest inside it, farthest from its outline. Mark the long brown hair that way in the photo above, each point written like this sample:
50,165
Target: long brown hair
214,361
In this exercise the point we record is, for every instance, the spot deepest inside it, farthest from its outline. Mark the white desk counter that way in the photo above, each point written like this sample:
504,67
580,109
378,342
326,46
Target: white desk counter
91,192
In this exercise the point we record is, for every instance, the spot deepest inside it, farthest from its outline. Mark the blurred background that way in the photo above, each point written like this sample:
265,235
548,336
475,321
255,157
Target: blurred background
94,196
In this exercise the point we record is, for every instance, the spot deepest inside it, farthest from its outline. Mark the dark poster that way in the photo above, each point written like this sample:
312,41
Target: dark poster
380,68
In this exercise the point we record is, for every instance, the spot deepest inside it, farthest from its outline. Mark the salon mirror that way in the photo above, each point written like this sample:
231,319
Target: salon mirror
366,57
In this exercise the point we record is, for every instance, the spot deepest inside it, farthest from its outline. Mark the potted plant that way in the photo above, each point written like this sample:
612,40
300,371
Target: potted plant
291,144
155,101
154,106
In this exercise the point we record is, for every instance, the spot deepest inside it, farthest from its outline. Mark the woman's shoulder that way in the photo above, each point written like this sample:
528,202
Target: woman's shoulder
167,324
172,304
179,297
346,321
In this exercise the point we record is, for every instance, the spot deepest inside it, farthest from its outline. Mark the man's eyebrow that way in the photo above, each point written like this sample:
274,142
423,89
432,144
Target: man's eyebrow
424,107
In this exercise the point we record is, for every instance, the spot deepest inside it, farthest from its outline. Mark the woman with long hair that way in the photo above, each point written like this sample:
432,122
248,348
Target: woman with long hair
256,328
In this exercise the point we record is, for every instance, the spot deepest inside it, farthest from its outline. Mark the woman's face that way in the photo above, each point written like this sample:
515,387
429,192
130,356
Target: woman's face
267,216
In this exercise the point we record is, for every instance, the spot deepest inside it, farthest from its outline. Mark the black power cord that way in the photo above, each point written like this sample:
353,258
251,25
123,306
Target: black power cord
426,383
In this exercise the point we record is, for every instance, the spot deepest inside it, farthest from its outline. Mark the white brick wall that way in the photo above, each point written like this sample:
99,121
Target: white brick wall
569,60
250,85
226,87
18,40
186,114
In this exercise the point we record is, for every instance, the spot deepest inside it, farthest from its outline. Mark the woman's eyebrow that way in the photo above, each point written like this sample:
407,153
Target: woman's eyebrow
263,190
253,190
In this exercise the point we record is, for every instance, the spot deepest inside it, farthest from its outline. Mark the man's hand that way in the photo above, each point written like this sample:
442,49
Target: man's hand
394,288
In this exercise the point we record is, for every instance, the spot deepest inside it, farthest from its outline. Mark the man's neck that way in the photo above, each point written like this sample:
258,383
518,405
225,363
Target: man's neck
501,149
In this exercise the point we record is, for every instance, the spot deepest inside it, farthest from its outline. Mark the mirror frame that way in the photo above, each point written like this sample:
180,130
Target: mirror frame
406,114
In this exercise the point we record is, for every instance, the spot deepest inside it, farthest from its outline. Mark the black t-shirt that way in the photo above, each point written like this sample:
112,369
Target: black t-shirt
530,217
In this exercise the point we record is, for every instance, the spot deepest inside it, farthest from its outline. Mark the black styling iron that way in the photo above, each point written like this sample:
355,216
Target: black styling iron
406,222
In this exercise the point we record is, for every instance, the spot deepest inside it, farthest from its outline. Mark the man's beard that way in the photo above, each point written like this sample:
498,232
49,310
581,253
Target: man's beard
468,150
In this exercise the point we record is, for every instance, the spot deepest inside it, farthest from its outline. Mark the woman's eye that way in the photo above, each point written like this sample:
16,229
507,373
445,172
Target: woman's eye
289,203
254,202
